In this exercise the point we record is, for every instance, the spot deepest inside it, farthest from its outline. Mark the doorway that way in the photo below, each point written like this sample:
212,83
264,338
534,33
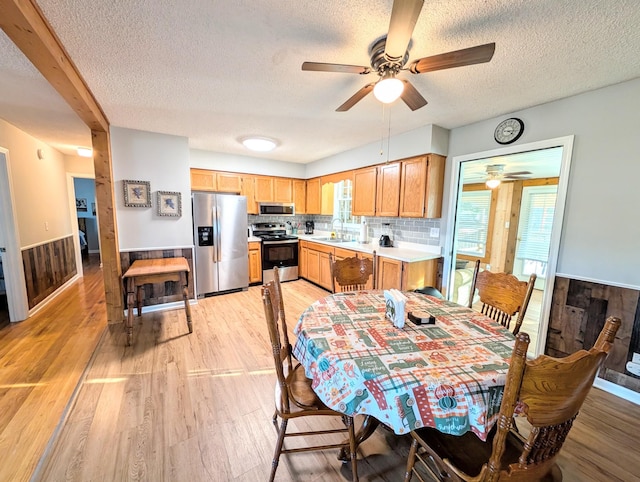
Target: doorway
504,232
13,297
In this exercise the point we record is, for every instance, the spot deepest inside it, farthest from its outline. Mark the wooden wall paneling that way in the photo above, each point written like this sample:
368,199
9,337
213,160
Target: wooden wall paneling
578,311
47,267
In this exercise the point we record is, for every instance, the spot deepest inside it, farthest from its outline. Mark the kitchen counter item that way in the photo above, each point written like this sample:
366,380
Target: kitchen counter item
385,240
309,226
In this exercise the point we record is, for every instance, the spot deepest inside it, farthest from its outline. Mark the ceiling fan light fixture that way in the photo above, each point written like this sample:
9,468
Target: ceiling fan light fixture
388,89
259,144
492,183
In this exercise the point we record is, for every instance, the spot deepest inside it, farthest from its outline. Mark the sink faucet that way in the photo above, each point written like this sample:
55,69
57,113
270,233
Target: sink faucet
341,226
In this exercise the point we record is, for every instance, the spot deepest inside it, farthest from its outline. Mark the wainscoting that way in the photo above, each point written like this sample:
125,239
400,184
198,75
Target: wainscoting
159,293
578,312
47,267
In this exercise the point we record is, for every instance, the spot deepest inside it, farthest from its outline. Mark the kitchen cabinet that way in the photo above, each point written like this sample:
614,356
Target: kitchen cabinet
303,248
407,276
364,192
313,196
214,181
247,189
203,180
388,189
318,268
263,189
255,262
299,195
282,190
421,186
228,182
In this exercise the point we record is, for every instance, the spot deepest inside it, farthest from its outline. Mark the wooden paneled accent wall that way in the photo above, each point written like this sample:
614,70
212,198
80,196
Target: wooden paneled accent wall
160,293
578,312
47,267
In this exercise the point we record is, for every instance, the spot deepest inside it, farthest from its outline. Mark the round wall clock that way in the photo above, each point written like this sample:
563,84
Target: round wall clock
509,130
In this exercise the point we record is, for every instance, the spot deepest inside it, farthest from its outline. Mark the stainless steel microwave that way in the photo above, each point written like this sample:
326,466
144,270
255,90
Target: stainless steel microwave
276,209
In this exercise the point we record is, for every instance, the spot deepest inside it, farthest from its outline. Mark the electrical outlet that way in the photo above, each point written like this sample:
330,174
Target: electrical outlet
434,232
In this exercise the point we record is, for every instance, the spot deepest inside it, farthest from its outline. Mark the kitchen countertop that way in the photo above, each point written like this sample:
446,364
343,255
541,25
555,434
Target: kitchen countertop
409,252
254,239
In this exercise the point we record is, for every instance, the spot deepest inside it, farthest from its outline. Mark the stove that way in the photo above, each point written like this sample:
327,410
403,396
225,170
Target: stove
278,249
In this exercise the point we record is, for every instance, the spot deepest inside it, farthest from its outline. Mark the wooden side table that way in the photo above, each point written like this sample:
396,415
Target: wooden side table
145,271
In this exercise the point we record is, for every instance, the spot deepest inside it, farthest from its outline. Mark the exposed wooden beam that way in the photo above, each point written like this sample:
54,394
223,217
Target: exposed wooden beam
25,25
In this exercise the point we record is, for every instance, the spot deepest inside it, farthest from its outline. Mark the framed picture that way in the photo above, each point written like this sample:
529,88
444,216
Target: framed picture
169,203
137,194
81,205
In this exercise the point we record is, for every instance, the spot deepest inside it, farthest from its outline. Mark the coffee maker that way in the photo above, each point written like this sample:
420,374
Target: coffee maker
308,227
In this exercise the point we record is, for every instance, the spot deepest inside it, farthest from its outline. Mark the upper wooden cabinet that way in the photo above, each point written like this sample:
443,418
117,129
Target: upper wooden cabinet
228,182
248,189
263,189
421,186
388,189
282,190
364,192
203,180
299,195
313,197
206,180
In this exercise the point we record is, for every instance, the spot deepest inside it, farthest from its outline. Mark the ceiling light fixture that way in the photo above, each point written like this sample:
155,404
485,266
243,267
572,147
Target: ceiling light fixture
388,88
259,144
492,183
84,151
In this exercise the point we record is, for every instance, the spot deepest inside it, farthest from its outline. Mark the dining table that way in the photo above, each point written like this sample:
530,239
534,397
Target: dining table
449,375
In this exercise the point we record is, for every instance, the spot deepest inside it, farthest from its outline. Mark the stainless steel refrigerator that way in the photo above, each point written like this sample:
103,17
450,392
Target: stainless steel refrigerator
220,238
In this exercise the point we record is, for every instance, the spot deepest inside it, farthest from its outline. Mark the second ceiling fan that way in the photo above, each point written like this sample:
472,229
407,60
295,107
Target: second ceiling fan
389,56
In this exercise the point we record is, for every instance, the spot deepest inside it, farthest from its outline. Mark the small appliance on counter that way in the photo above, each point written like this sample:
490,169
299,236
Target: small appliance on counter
385,240
309,226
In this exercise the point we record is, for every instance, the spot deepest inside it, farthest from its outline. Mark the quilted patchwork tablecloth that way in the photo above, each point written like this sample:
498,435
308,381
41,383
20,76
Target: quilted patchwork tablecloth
450,375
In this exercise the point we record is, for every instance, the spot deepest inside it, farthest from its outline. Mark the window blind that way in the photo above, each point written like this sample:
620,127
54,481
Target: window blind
536,222
473,222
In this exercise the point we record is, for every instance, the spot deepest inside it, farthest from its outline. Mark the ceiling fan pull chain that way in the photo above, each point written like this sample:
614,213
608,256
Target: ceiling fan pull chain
389,136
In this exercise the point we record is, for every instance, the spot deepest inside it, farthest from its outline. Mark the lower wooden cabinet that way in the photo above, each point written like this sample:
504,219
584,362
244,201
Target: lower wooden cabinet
391,273
405,276
255,262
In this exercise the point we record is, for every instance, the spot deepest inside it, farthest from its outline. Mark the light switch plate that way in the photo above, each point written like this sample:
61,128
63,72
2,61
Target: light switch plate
434,232
636,358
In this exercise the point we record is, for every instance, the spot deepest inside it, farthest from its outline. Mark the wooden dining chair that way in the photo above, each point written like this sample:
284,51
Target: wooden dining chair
502,296
295,397
548,391
352,274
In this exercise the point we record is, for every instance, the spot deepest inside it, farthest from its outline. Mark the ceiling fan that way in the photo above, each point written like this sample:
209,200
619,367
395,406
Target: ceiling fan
389,55
496,174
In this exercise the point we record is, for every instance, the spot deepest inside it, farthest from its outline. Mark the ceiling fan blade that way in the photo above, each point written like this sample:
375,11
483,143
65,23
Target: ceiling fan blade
412,97
404,16
518,173
458,58
342,68
355,98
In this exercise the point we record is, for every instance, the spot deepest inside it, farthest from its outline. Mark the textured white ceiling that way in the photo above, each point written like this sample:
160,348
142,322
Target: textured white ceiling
218,70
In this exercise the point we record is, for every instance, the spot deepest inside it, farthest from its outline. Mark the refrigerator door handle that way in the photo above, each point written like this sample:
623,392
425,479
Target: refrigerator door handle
214,223
218,237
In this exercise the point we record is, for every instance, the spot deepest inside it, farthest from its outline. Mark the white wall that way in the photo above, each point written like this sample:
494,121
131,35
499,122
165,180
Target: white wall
251,165
428,139
80,165
163,160
39,186
601,229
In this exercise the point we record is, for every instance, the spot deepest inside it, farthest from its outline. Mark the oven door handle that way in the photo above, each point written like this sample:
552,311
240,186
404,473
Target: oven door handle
284,241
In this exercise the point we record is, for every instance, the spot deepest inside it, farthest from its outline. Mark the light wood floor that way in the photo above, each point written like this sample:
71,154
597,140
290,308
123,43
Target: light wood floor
179,407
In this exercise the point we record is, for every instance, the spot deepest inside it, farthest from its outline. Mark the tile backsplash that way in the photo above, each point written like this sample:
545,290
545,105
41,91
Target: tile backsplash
411,230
